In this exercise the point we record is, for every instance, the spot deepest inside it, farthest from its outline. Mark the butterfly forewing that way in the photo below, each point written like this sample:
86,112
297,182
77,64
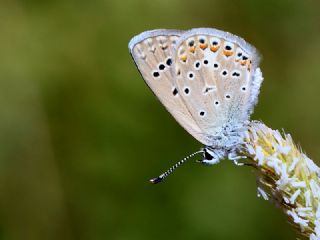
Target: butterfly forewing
152,52
214,72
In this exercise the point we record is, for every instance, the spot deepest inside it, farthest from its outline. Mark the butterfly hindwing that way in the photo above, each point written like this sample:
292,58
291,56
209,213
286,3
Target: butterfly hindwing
216,73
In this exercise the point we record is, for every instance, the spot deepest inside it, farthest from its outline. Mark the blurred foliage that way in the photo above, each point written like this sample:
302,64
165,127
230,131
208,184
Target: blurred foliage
80,133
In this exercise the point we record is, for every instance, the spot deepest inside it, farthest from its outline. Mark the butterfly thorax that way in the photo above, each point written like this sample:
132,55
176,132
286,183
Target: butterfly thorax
225,143
226,136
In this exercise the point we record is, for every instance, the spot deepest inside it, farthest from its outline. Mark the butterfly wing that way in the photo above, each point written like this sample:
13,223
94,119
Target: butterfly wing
217,76
152,52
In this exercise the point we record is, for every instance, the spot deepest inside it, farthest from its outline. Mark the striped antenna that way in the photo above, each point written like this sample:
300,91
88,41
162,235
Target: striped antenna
174,167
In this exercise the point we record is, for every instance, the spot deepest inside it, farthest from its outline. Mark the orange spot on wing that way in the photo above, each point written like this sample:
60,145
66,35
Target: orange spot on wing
214,48
203,46
183,58
192,49
243,62
227,53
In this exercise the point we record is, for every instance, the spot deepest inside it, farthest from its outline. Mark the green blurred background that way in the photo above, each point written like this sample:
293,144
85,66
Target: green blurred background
81,134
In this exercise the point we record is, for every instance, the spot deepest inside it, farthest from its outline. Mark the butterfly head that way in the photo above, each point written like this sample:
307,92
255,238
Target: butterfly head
212,156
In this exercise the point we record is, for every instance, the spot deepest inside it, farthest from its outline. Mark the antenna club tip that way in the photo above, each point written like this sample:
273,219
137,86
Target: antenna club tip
155,180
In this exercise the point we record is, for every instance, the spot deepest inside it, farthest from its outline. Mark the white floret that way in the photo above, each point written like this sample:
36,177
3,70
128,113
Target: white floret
294,196
262,193
259,155
293,164
307,196
298,220
315,189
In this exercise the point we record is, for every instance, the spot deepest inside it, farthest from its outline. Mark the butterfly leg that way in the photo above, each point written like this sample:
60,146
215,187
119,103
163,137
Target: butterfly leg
233,156
209,162
237,163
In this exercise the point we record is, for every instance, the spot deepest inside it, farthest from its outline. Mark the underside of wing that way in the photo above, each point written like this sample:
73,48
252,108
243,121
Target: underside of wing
218,77
152,52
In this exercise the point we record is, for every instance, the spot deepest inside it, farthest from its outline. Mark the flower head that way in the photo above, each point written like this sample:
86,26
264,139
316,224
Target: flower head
286,176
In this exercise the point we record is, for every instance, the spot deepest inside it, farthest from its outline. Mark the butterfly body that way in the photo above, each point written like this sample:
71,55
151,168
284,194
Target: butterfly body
207,79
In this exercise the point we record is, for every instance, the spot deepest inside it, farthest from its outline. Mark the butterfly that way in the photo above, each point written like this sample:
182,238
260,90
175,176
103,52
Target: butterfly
208,79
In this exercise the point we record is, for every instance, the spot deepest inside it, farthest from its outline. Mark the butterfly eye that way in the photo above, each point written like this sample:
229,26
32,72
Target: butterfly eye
215,65
205,62
216,103
243,89
228,96
207,155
